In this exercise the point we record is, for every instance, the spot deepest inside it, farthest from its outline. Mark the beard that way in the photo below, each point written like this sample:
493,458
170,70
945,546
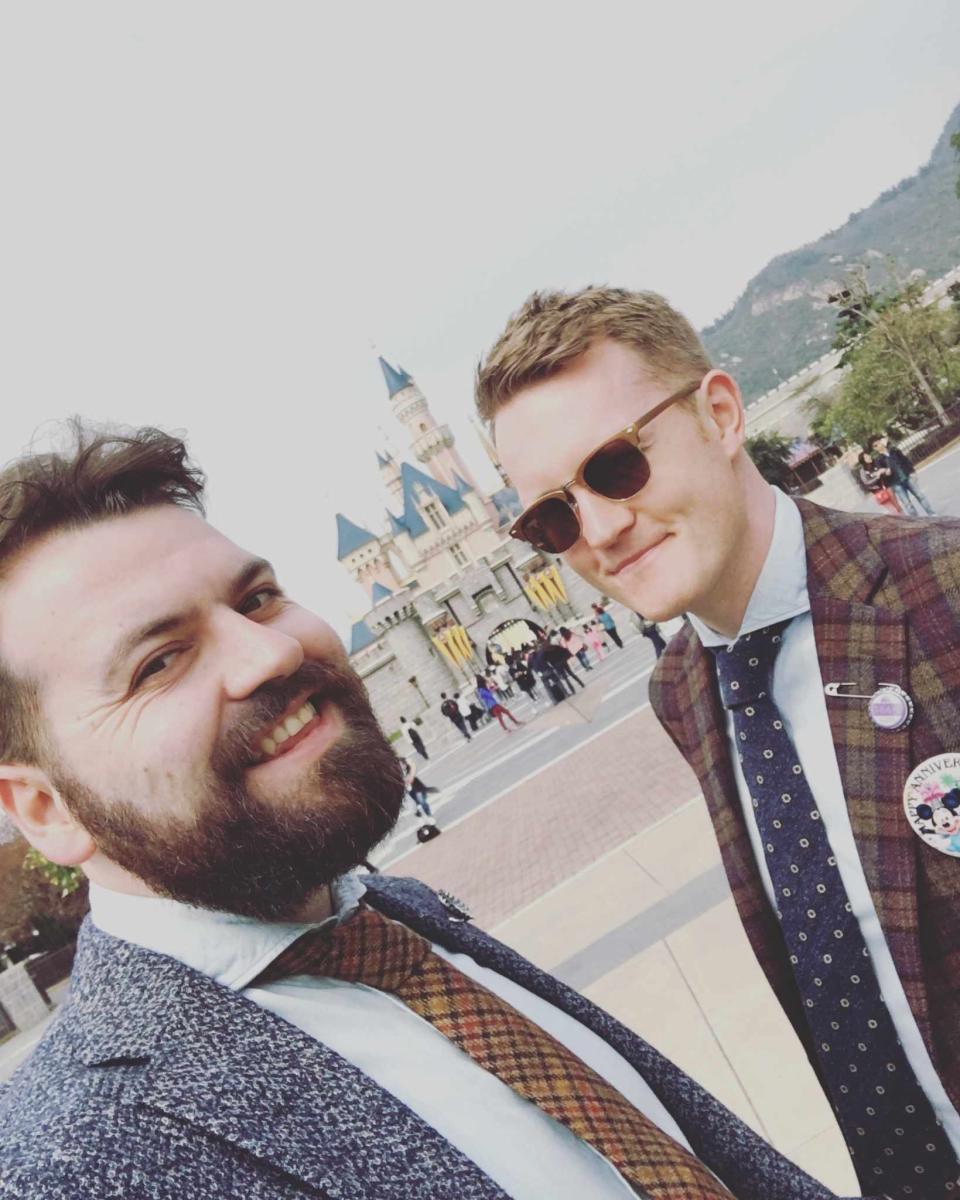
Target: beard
238,853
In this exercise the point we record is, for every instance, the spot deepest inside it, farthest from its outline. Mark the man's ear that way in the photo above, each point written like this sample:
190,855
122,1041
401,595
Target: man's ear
721,407
34,805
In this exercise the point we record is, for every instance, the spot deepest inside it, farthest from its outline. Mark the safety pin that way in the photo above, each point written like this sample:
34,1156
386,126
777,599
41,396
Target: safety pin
833,689
889,707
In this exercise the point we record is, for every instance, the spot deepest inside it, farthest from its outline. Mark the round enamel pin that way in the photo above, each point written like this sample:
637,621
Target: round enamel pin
890,707
931,800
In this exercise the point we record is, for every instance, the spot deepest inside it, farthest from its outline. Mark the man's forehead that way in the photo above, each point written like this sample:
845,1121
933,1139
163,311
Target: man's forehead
546,428
80,586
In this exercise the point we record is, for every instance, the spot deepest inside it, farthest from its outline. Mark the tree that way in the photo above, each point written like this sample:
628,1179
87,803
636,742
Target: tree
771,455
881,390
912,336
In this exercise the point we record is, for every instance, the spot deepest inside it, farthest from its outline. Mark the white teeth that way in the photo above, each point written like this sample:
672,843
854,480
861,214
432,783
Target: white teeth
288,728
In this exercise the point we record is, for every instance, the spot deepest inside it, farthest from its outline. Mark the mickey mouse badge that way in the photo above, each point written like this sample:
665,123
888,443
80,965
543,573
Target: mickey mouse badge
931,800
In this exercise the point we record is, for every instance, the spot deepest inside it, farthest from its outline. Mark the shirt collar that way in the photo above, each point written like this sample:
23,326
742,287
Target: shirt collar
231,949
781,588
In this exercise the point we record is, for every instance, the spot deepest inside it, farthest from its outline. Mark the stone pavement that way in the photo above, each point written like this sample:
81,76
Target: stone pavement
603,869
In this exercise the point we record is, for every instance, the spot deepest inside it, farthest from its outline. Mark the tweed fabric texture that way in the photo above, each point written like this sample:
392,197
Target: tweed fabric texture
891,1130
371,949
885,602
155,1083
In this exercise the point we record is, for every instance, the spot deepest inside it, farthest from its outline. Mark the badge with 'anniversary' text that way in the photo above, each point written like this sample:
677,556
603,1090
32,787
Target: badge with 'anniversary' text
931,800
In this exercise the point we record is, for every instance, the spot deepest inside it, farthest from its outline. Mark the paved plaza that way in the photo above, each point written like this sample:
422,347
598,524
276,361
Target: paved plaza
583,842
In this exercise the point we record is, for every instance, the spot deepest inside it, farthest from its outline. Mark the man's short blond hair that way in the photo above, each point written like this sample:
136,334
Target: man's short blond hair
553,329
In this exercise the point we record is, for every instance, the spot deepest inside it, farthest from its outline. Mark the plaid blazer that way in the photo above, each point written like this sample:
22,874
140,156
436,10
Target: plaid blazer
885,603
157,1083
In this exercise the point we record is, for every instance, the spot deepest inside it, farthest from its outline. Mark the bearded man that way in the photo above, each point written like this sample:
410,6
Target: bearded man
247,1018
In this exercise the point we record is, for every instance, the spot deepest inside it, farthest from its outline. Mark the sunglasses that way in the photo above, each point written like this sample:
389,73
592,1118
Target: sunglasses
616,470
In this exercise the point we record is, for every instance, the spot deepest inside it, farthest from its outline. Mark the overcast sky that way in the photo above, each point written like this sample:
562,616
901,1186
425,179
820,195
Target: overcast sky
213,212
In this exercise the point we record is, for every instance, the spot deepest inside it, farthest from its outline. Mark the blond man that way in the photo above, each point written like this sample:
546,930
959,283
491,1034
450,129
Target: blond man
819,670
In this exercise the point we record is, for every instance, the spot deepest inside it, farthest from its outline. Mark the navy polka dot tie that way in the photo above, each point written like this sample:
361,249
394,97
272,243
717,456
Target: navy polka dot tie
897,1145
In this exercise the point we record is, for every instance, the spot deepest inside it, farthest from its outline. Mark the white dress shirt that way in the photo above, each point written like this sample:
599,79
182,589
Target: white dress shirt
781,592
526,1152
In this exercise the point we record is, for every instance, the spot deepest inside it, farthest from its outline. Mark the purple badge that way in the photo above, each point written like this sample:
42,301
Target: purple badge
890,708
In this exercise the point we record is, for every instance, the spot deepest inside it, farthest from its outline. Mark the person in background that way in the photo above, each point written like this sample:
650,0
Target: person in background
609,625
417,790
503,680
469,711
558,656
876,478
903,478
524,679
594,635
574,644
493,706
651,631
416,741
451,710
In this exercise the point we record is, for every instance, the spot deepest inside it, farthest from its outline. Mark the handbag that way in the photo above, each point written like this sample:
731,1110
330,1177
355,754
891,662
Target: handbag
883,495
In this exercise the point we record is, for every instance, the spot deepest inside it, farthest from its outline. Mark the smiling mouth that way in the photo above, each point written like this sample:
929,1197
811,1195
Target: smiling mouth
292,729
638,557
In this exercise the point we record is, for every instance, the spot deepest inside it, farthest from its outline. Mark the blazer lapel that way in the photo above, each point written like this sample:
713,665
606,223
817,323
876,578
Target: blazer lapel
862,643
216,1060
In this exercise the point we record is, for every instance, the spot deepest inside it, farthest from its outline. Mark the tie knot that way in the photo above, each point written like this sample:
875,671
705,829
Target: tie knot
365,948
744,669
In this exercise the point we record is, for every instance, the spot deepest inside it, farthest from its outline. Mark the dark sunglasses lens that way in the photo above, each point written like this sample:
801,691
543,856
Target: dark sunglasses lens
551,525
618,470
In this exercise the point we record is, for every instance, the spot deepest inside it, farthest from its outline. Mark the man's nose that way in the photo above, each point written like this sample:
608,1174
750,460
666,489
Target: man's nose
602,521
254,654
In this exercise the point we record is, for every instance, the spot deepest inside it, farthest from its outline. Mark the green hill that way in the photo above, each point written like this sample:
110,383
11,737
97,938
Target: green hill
782,321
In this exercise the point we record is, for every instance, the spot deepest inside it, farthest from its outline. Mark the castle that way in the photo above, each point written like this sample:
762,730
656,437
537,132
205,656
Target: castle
444,581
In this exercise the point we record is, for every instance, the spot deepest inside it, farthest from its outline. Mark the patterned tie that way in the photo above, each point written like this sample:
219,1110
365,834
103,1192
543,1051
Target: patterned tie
894,1138
368,948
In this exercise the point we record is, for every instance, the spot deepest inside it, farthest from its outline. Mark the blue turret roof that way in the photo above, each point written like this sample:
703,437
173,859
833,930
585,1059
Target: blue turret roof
462,486
350,537
397,379
411,520
396,525
380,592
360,637
383,460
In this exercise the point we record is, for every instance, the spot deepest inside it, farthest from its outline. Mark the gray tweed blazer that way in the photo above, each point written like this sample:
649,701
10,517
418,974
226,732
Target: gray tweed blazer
155,1083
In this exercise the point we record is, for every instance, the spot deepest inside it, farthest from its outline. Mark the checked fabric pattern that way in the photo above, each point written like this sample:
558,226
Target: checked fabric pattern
896,1143
371,949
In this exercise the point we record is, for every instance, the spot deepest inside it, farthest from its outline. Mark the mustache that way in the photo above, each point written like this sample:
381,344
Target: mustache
239,745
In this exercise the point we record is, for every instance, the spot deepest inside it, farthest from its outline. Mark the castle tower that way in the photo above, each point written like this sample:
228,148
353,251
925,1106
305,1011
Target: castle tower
361,553
390,474
432,444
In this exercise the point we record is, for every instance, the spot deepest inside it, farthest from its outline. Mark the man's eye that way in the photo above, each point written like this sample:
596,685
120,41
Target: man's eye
258,599
154,666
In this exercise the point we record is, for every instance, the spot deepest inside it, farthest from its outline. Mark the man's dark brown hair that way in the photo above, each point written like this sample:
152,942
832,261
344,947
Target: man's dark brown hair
103,472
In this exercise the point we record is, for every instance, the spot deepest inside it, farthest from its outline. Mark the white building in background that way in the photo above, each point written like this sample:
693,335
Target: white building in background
443,579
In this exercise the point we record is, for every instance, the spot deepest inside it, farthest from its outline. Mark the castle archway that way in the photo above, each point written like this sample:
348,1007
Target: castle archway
512,634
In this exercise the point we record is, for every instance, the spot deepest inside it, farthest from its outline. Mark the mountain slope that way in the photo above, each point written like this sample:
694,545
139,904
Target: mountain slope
782,321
